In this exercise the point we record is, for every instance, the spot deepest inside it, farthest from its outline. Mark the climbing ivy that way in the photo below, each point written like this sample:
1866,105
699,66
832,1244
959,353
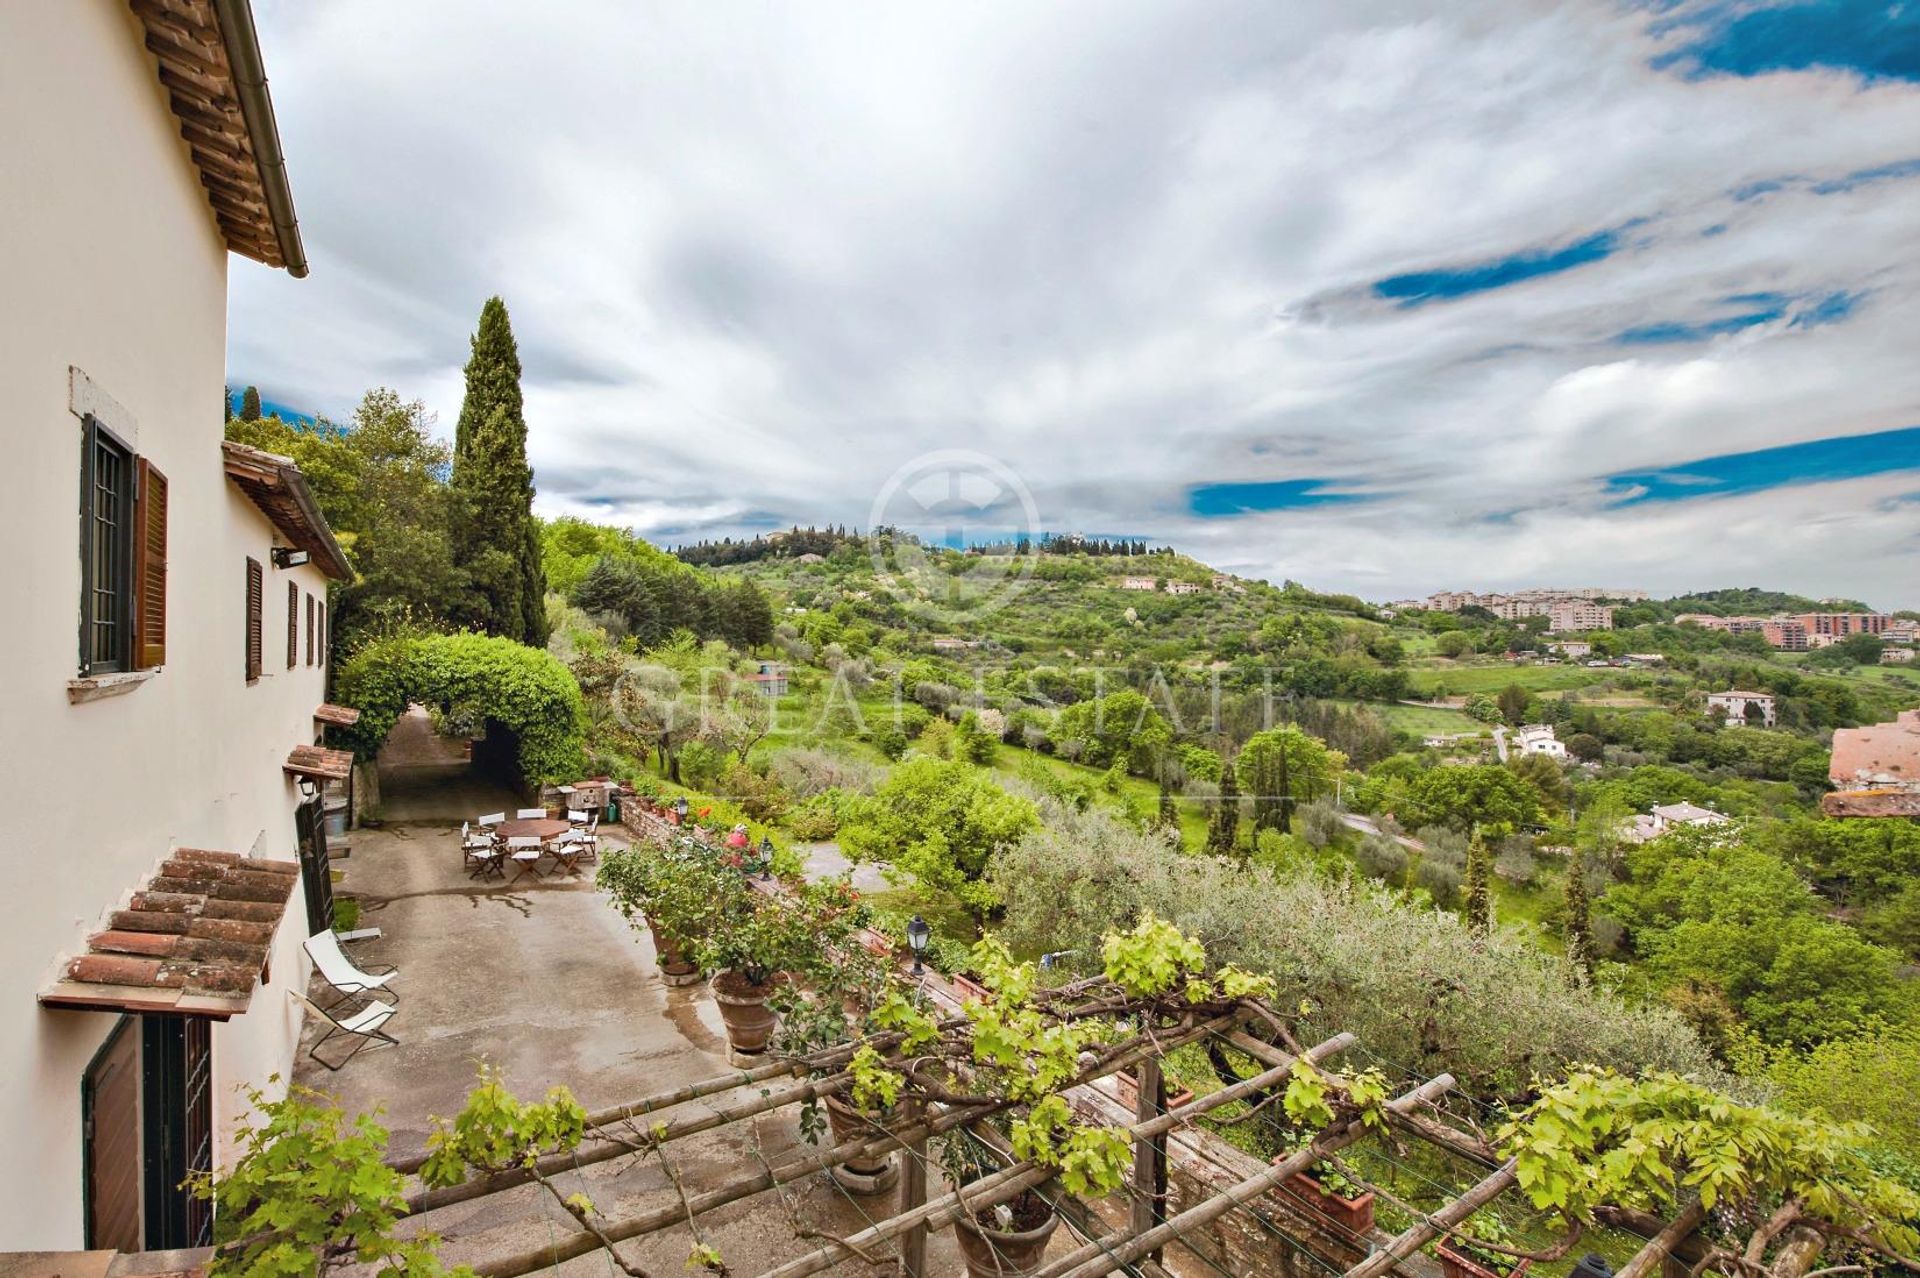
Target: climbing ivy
527,689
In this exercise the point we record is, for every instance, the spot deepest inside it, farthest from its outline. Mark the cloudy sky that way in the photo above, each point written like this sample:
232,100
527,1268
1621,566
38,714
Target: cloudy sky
1383,297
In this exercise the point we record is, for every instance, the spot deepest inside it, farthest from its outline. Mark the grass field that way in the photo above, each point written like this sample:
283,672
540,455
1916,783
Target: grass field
1458,678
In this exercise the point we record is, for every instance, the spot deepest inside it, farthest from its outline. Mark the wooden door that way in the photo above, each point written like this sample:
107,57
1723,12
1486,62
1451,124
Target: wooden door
110,1106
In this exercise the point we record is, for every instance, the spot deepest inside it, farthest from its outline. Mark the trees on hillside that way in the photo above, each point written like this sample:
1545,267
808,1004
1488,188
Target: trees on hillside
653,597
1282,767
250,405
497,539
1483,793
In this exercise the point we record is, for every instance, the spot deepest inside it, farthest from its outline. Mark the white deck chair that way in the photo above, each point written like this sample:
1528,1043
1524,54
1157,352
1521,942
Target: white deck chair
577,816
525,853
531,814
364,1025
337,970
492,818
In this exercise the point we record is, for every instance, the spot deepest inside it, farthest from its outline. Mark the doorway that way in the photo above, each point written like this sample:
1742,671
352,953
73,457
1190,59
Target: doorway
147,1116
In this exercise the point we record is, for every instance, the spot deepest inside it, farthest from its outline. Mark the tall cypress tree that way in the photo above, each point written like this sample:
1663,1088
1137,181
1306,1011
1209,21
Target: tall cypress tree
1579,918
1479,885
1223,831
499,541
250,404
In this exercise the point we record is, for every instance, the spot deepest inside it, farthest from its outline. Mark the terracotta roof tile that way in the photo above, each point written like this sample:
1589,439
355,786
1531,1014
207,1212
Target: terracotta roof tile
192,941
338,716
318,761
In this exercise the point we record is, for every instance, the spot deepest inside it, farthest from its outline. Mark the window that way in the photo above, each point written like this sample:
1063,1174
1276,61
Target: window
123,557
293,625
256,588
309,629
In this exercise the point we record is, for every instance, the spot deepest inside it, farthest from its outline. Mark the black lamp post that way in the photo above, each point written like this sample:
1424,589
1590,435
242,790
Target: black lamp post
766,856
918,935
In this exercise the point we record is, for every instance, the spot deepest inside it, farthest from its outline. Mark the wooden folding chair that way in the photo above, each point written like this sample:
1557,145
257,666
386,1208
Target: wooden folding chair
525,852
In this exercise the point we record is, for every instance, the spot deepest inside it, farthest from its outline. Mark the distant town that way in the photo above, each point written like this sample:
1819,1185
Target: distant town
1582,609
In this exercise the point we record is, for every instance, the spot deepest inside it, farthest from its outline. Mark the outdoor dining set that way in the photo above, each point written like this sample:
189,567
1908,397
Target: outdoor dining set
527,840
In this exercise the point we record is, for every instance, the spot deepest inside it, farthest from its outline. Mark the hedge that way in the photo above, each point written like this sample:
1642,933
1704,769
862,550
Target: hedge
527,689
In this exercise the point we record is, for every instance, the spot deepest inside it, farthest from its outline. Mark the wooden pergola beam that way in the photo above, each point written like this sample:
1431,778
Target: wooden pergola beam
1425,1230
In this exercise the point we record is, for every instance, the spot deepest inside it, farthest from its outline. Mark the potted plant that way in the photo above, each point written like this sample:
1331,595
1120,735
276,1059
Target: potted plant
759,939
827,1010
1128,1087
1461,1255
1005,1240
673,892
1331,1194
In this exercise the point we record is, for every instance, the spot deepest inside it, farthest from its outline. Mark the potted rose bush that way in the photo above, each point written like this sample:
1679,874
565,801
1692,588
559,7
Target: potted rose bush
676,893
759,940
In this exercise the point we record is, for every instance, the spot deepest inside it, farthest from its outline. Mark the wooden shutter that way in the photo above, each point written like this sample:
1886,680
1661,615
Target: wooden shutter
323,632
149,567
309,629
293,625
256,588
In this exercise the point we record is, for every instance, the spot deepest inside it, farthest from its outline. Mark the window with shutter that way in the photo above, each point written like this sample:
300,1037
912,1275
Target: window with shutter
256,588
107,545
323,633
309,629
149,567
293,625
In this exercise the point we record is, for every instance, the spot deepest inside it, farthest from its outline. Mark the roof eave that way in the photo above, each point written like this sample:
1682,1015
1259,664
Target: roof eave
263,475
256,108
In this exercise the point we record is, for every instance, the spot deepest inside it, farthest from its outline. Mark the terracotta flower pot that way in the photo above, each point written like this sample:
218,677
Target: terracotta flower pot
1457,1264
849,1123
1352,1216
675,967
743,1007
994,1253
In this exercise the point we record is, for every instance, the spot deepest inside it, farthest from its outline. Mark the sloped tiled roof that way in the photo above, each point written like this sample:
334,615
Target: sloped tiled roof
277,487
193,941
319,762
1881,754
338,716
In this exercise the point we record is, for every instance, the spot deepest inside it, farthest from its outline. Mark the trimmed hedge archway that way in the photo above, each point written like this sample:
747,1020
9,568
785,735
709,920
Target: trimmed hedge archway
526,690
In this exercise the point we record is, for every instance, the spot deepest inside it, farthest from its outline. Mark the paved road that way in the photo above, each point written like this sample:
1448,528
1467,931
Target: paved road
1367,825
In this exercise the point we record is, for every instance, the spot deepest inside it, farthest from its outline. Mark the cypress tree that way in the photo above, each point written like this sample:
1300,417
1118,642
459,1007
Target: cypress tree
250,404
1479,887
499,541
1579,918
1166,816
1224,829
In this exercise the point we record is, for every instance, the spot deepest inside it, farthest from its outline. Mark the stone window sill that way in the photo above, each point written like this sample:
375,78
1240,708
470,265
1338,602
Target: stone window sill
97,687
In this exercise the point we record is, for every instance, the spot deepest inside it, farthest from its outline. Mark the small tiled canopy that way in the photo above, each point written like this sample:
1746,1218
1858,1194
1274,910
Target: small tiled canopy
319,763
193,942
338,716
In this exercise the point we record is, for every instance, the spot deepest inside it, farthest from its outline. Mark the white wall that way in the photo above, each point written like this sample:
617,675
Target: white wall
111,262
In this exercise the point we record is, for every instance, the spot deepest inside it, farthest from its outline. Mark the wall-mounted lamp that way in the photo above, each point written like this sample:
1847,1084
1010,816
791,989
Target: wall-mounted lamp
288,557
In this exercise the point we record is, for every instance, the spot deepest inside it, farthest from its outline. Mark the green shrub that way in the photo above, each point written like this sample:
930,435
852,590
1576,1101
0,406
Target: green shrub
469,676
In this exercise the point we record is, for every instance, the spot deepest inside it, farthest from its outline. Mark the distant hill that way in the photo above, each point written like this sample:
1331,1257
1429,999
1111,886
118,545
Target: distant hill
1753,601
268,408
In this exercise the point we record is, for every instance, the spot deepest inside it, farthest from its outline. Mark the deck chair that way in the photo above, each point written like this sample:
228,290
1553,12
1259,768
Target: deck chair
337,970
568,850
576,816
531,814
492,819
364,1025
525,853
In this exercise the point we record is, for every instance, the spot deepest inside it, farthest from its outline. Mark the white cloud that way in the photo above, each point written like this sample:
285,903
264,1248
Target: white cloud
758,257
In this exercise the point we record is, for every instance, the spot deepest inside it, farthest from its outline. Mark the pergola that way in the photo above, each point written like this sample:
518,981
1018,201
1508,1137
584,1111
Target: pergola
932,1106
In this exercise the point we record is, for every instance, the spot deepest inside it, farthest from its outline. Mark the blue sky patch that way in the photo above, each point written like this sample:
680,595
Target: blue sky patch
1811,462
1754,309
1878,39
1228,501
1419,287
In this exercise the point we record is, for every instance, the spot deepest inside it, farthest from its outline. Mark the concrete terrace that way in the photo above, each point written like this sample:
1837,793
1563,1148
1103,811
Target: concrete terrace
546,982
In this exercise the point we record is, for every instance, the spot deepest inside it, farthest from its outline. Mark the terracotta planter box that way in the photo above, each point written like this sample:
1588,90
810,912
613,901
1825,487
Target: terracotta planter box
1352,1216
1456,1264
989,1253
967,987
874,943
1129,1088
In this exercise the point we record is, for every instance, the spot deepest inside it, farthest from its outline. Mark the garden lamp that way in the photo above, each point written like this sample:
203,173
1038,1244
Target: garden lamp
766,856
1592,1265
918,935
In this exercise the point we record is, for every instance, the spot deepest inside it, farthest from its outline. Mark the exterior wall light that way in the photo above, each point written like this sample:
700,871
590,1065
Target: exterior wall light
287,557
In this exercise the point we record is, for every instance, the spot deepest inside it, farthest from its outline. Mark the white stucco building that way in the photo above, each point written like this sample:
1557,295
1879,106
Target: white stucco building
1539,738
1733,706
167,651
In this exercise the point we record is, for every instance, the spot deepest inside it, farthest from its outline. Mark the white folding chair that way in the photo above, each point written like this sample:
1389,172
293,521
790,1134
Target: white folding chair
531,814
481,854
364,1025
577,816
525,853
492,818
339,971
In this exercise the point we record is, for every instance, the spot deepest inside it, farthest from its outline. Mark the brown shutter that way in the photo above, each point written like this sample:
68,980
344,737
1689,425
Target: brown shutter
293,625
309,629
256,588
323,632
149,567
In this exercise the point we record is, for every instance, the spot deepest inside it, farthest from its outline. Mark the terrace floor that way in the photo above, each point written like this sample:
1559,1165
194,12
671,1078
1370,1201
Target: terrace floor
546,982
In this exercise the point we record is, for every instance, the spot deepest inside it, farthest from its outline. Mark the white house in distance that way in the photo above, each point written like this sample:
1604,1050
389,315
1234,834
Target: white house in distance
1184,587
1670,816
167,662
1733,705
1139,583
1539,738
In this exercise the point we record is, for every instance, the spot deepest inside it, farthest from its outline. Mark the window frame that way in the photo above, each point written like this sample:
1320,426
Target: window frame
124,658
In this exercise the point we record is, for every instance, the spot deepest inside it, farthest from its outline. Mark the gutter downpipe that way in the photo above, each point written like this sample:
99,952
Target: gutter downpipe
250,84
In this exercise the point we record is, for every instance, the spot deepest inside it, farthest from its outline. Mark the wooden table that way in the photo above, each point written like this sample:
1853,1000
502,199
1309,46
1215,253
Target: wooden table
541,828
